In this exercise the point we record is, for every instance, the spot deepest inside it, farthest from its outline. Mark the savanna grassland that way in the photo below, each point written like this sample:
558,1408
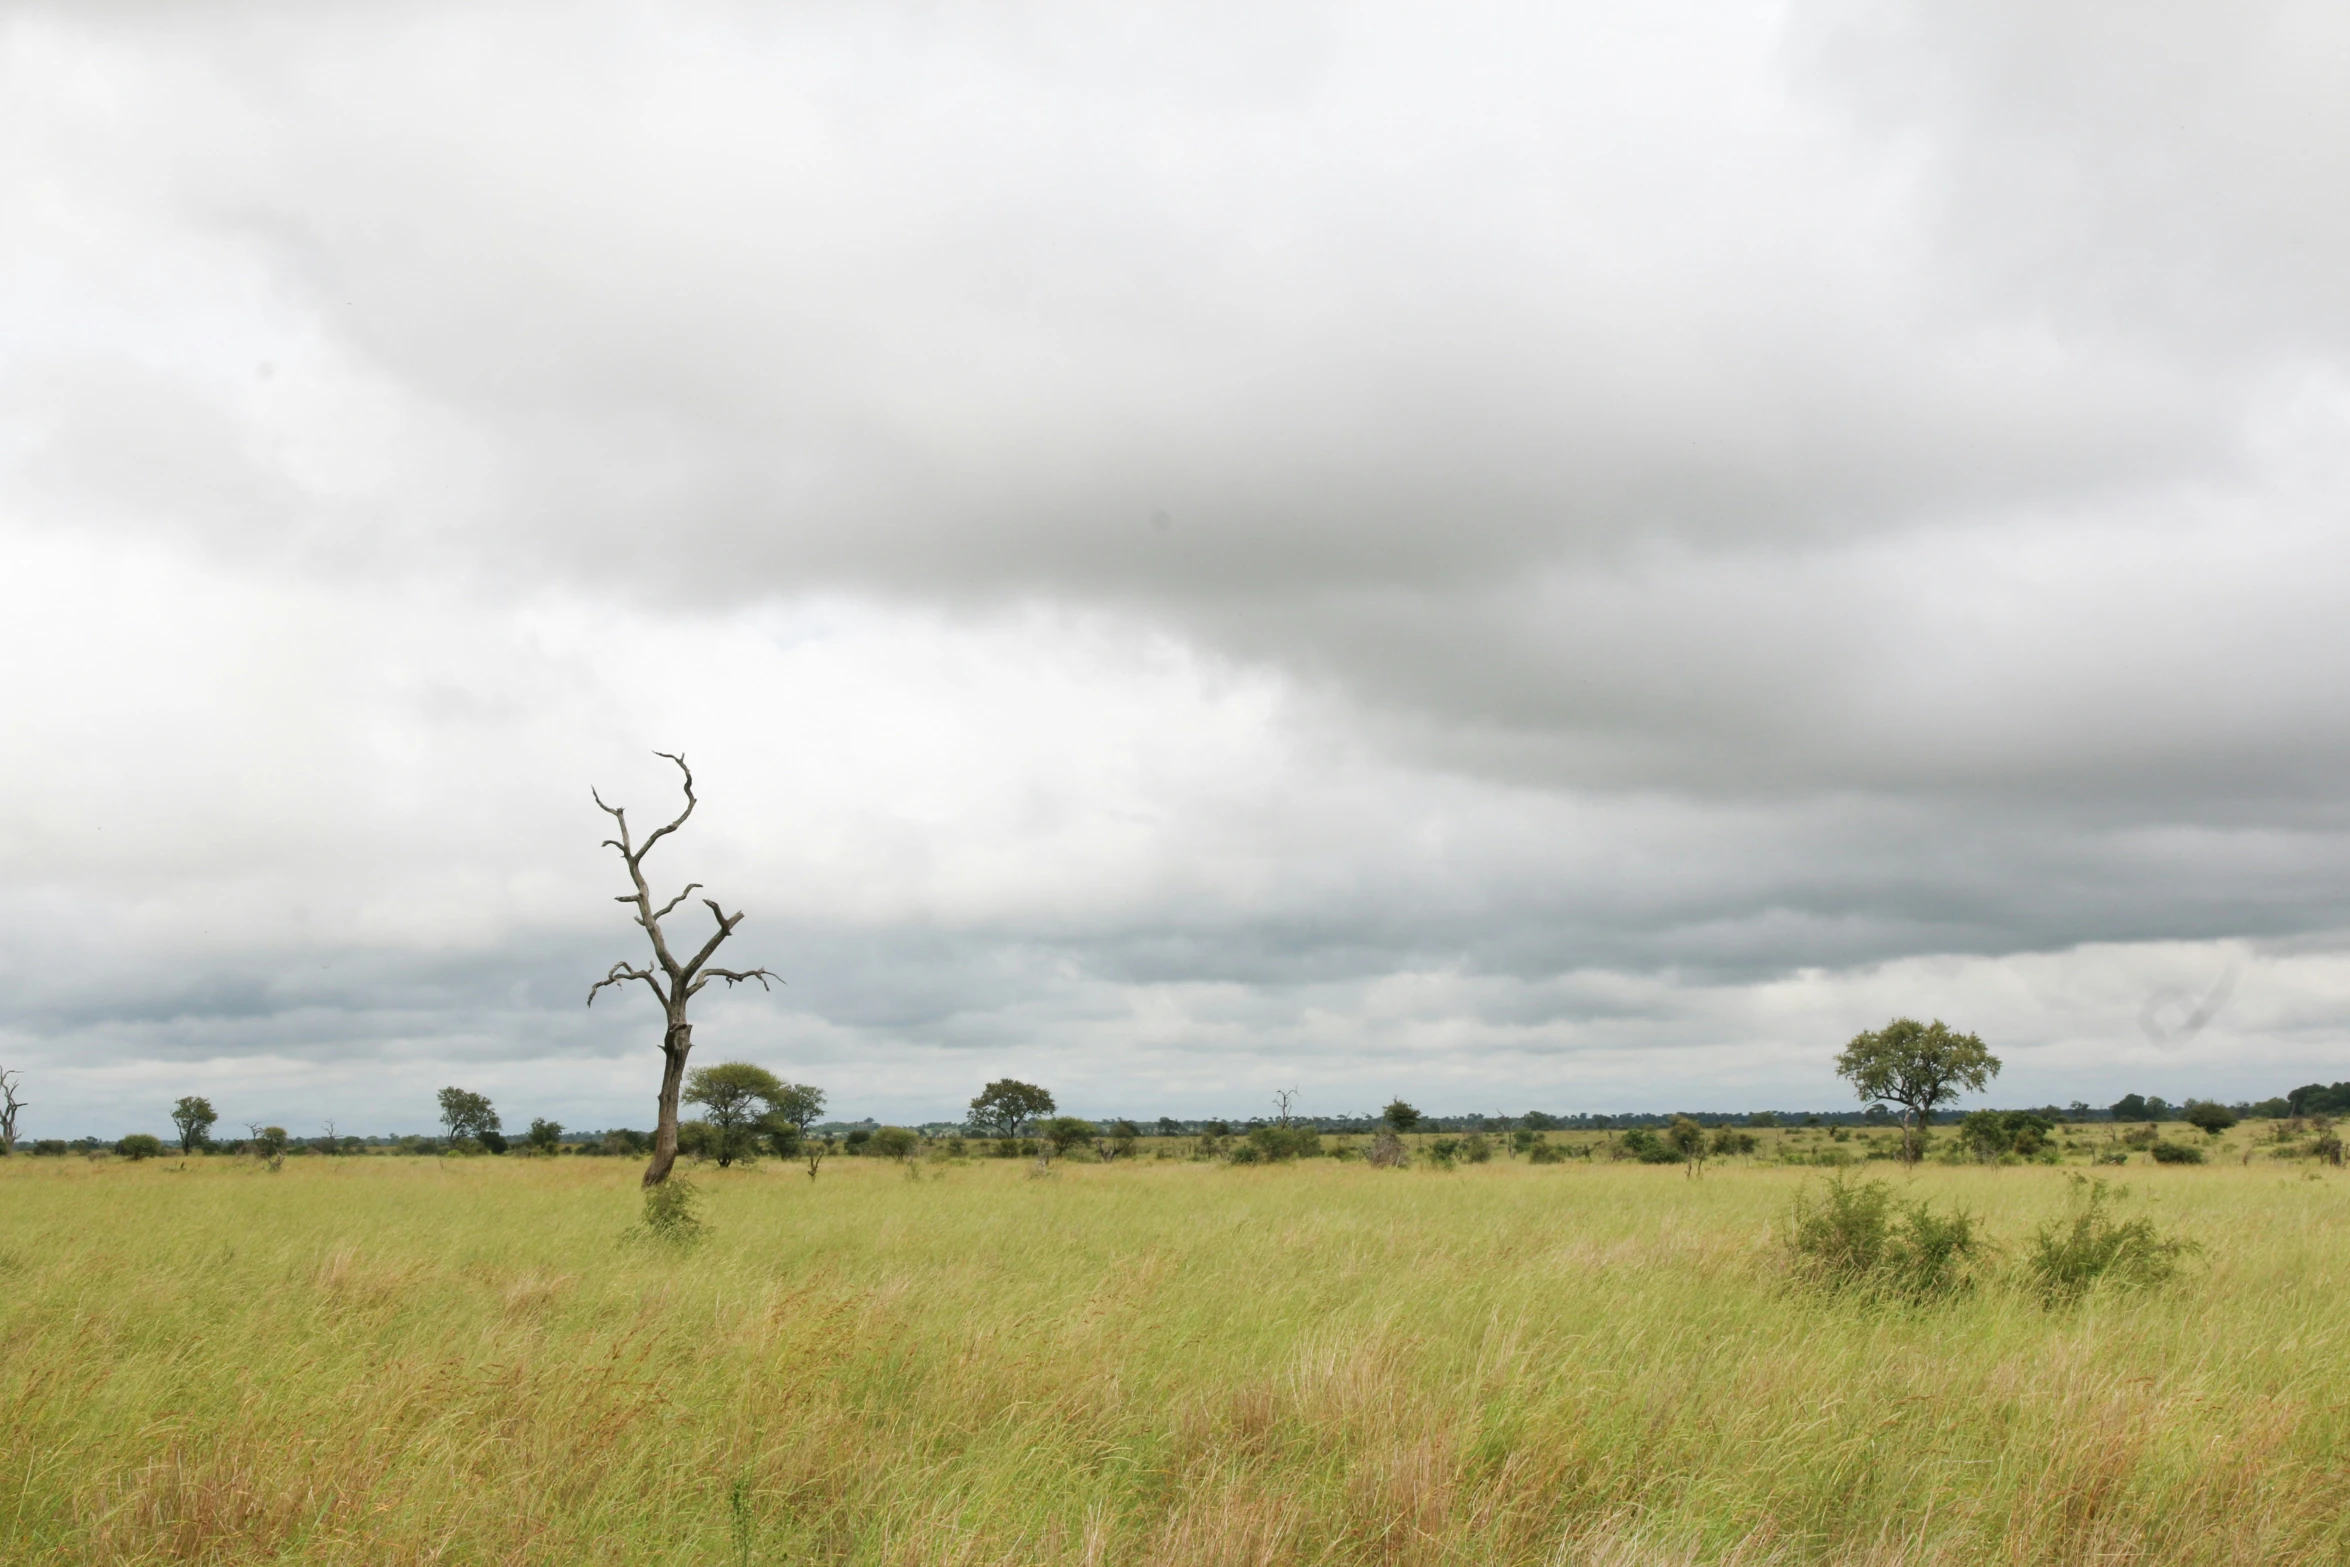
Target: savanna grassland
407,1360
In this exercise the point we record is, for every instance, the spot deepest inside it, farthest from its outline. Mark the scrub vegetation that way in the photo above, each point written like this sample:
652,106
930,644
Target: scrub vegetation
941,1359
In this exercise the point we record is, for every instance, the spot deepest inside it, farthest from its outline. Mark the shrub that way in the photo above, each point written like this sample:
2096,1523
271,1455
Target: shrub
2209,1116
48,1147
895,1142
1857,1239
2176,1153
139,1145
1729,1140
1387,1151
2111,1156
2071,1256
672,1212
1281,1143
1476,1149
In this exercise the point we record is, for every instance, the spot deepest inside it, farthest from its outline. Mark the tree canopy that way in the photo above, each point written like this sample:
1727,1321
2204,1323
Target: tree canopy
1917,1066
468,1114
734,1095
194,1116
1006,1106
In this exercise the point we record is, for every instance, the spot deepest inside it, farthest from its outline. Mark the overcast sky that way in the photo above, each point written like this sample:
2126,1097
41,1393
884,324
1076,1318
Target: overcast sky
1555,556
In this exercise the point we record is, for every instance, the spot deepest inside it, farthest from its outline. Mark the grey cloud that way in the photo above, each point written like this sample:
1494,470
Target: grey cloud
1718,499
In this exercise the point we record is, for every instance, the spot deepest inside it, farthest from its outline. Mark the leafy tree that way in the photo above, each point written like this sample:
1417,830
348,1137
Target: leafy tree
139,1145
1005,1107
1123,1137
194,1117
1537,1121
1991,1133
1399,1116
1917,1066
2319,1099
1688,1140
2209,1117
1065,1132
1169,1126
789,1115
546,1137
467,1115
269,1144
896,1142
677,983
733,1095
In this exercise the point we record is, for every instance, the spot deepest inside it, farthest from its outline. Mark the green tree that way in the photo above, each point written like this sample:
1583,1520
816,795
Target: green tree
1917,1066
789,1115
1065,1132
194,1116
2209,1117
269,1144
896,1142
1688,1140
733,1095
2132,1107
468,1115
139,1145
1005,1107
1400,1117
546,1137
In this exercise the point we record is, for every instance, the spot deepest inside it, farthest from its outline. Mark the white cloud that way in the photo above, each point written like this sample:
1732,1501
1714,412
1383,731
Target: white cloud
1576,554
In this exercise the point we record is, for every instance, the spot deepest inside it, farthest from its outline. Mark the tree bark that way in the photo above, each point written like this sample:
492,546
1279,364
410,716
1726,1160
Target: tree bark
676,1044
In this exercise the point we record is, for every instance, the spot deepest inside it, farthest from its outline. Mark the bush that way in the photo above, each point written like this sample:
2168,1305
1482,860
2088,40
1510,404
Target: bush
1476,1149
2209,1117
49,1148
672,1212
896,1142
139,1145
1283,1143
2176,1153
2069,1257
1858,1239
1387,1151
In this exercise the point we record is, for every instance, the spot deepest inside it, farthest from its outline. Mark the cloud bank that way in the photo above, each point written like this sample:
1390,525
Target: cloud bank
1512,557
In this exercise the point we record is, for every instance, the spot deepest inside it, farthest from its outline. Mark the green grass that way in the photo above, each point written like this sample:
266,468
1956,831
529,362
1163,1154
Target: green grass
390,1360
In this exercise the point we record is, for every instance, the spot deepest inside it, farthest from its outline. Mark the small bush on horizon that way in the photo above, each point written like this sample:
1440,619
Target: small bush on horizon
2176,1153
139,1145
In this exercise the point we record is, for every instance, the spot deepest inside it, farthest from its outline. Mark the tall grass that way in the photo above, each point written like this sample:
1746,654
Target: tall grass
406,1361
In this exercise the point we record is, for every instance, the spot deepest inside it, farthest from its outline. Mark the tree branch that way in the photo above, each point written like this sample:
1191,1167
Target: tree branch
660,833
725,929
621,974
691,888
735,977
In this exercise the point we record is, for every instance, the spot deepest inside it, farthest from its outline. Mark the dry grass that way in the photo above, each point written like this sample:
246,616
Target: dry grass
392,1361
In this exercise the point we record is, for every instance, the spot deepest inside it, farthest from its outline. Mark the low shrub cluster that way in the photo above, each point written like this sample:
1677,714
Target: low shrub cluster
2069,1257
1857,1238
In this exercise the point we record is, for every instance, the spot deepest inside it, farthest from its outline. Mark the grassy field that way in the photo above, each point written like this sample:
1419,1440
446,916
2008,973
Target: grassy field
391,1360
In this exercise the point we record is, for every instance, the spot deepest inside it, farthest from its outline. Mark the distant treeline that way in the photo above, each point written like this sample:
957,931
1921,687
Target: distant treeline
2307,1100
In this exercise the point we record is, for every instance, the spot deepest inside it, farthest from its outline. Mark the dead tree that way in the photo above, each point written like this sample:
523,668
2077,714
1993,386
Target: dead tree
673,983
9,1106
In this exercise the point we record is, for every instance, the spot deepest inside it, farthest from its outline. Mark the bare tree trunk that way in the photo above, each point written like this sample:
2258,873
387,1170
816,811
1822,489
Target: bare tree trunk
675,1046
